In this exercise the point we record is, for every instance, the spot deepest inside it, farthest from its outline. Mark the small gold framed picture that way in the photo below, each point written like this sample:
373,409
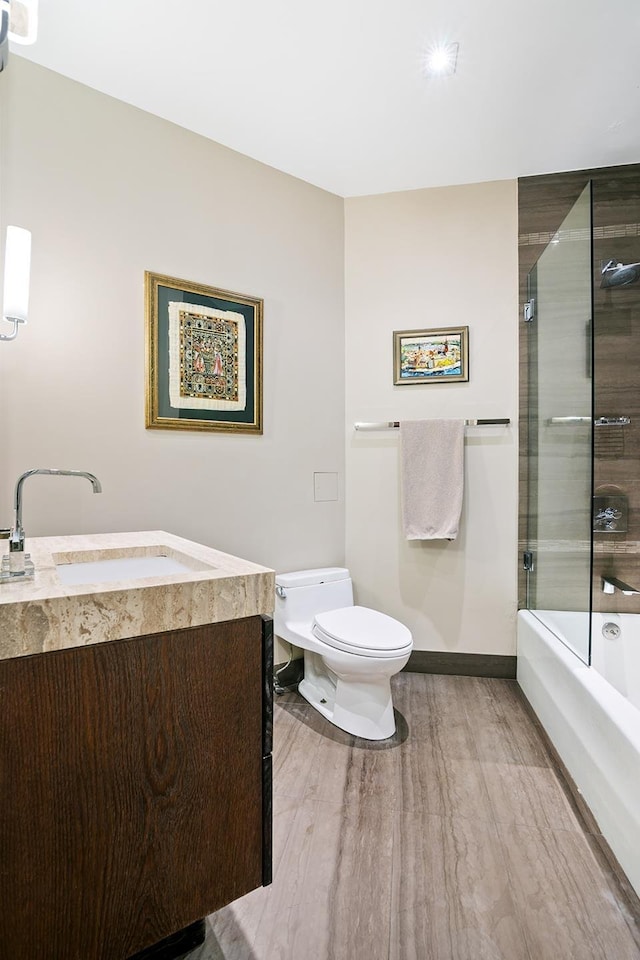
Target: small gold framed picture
431,356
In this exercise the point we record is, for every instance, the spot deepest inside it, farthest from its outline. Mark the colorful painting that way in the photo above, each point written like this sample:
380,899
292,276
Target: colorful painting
204,357
431,356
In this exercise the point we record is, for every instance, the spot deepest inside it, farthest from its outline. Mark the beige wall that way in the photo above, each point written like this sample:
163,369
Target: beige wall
421,259
109,192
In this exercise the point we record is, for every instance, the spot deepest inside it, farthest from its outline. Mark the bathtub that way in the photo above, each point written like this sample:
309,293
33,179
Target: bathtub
592,716
617,659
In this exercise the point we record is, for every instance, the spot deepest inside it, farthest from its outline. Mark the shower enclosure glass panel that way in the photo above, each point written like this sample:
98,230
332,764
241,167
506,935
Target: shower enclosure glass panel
560,431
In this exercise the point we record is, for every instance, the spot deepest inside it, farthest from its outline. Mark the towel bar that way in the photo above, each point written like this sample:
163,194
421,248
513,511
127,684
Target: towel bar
598,422
391,424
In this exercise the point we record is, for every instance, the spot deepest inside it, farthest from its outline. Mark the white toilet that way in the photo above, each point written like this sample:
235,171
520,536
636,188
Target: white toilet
350,653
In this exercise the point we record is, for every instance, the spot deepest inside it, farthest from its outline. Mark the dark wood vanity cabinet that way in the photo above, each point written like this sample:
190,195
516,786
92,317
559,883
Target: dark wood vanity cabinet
135,788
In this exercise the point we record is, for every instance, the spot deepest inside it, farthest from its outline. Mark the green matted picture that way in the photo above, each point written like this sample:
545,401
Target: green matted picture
204,357
431,356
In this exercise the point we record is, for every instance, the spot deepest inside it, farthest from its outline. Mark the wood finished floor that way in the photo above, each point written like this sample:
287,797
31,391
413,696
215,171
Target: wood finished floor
455,841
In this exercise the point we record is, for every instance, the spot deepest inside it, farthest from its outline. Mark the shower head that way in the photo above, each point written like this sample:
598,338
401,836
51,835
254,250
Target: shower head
616,274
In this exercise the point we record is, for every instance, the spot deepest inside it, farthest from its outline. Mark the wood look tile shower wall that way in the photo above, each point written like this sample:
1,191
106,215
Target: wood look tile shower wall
543,202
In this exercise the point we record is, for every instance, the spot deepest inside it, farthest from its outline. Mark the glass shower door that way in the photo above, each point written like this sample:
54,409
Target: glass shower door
560,431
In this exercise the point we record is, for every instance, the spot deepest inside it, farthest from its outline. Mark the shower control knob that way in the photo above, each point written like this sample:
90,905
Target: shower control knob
611,631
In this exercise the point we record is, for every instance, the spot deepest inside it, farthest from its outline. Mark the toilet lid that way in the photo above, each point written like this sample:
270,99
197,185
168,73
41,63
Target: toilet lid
362,631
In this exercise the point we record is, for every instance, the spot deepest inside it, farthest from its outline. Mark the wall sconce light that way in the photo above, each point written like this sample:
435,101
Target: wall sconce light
17,266
21,20
23,23
18,22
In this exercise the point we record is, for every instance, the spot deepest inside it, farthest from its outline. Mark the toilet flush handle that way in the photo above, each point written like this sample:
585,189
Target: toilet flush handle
281,592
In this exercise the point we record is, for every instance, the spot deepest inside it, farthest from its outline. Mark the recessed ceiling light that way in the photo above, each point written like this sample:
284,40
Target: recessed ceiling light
441,60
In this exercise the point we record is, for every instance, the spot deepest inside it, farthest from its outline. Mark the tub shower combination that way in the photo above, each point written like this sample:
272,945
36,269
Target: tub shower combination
578,656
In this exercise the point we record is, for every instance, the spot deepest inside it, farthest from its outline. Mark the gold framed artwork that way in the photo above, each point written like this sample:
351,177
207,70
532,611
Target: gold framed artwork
431,356
204,357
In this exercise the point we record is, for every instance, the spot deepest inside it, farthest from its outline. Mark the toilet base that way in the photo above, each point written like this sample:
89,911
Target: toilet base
362,707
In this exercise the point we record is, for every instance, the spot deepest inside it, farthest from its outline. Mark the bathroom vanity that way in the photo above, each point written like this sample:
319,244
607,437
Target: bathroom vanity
135,741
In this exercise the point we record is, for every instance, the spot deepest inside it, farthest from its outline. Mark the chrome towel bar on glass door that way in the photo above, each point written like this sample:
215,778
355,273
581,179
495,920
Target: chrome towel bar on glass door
599,422
391,424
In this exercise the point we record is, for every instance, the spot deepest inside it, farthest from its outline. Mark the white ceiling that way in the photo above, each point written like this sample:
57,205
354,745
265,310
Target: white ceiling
333,92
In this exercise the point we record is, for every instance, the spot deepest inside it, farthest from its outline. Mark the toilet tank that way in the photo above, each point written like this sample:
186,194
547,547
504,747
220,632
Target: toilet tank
304,593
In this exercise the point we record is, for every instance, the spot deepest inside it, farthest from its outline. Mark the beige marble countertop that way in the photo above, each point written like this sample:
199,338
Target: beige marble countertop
45,614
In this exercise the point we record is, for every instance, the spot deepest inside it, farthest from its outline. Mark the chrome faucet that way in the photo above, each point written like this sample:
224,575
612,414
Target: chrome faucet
611,584
18,563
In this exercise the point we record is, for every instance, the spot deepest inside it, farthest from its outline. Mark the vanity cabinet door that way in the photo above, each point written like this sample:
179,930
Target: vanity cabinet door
131,789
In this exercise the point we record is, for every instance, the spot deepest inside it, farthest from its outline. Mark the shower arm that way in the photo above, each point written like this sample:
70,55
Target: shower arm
611,584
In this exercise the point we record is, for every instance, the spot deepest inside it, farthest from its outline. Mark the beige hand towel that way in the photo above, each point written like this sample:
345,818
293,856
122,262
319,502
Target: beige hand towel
432,465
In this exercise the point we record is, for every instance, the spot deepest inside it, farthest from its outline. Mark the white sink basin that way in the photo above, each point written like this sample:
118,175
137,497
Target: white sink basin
121,568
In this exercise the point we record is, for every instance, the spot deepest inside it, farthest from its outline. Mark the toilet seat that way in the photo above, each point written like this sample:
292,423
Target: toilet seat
363,632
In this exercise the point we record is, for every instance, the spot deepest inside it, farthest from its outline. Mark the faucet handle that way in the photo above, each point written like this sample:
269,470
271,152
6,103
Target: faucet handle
5,533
